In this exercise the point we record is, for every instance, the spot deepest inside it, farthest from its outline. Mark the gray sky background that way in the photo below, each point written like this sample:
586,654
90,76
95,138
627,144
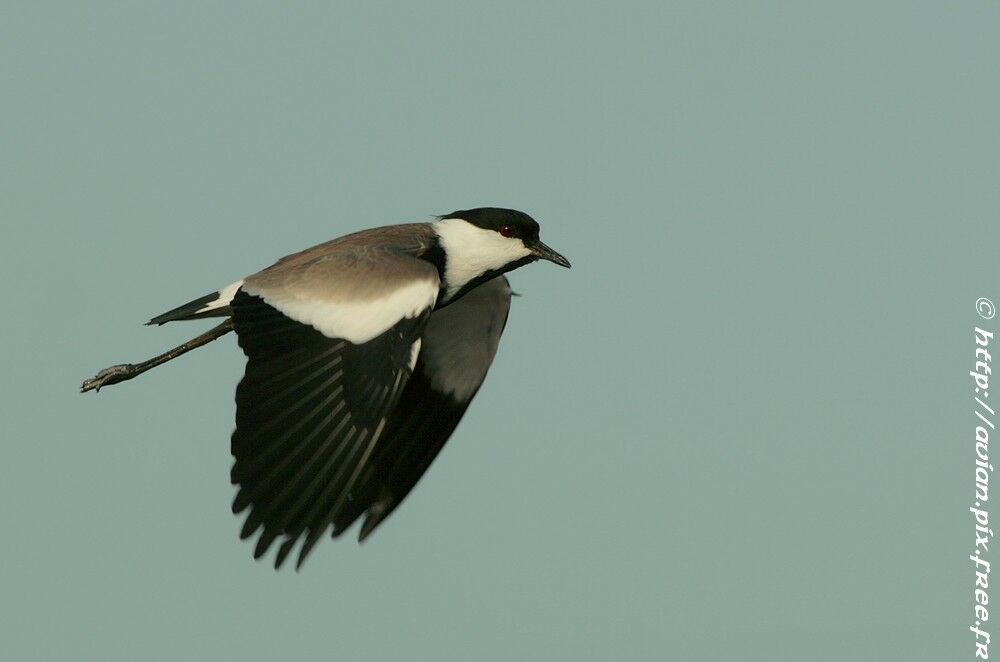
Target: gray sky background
739,428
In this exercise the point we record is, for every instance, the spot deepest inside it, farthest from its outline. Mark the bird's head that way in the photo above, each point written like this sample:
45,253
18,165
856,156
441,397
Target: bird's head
482,243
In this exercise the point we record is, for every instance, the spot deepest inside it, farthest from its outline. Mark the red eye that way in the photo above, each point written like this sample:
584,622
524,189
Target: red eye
507,230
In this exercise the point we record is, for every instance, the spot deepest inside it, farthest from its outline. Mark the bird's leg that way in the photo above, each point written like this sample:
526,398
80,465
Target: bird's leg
125,371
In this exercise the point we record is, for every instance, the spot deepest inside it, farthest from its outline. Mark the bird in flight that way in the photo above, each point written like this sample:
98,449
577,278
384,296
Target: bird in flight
363,354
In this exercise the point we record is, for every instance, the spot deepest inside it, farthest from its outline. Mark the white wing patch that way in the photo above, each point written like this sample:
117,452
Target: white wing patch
359,320
414,353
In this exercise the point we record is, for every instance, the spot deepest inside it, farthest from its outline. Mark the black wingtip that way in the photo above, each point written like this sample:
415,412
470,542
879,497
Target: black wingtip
371,521
250,525
307,546
283,552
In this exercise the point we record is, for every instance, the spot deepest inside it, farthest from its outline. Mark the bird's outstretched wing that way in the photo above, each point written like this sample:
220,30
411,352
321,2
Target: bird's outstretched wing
458,346
331,339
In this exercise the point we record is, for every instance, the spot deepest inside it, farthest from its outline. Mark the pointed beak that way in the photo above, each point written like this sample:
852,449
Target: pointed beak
543,252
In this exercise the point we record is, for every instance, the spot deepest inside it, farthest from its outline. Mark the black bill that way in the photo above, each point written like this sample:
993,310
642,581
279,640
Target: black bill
543,252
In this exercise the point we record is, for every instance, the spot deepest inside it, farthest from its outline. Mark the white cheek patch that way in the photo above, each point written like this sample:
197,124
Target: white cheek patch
356,321
473,251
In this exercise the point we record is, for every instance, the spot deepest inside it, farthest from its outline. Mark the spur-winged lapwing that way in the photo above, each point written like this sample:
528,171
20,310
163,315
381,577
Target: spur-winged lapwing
363,354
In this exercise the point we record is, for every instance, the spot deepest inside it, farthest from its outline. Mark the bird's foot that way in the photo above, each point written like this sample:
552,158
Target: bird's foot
111,375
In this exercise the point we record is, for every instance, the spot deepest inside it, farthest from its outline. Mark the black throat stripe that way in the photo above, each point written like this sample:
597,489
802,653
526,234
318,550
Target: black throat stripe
479,280
435,254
